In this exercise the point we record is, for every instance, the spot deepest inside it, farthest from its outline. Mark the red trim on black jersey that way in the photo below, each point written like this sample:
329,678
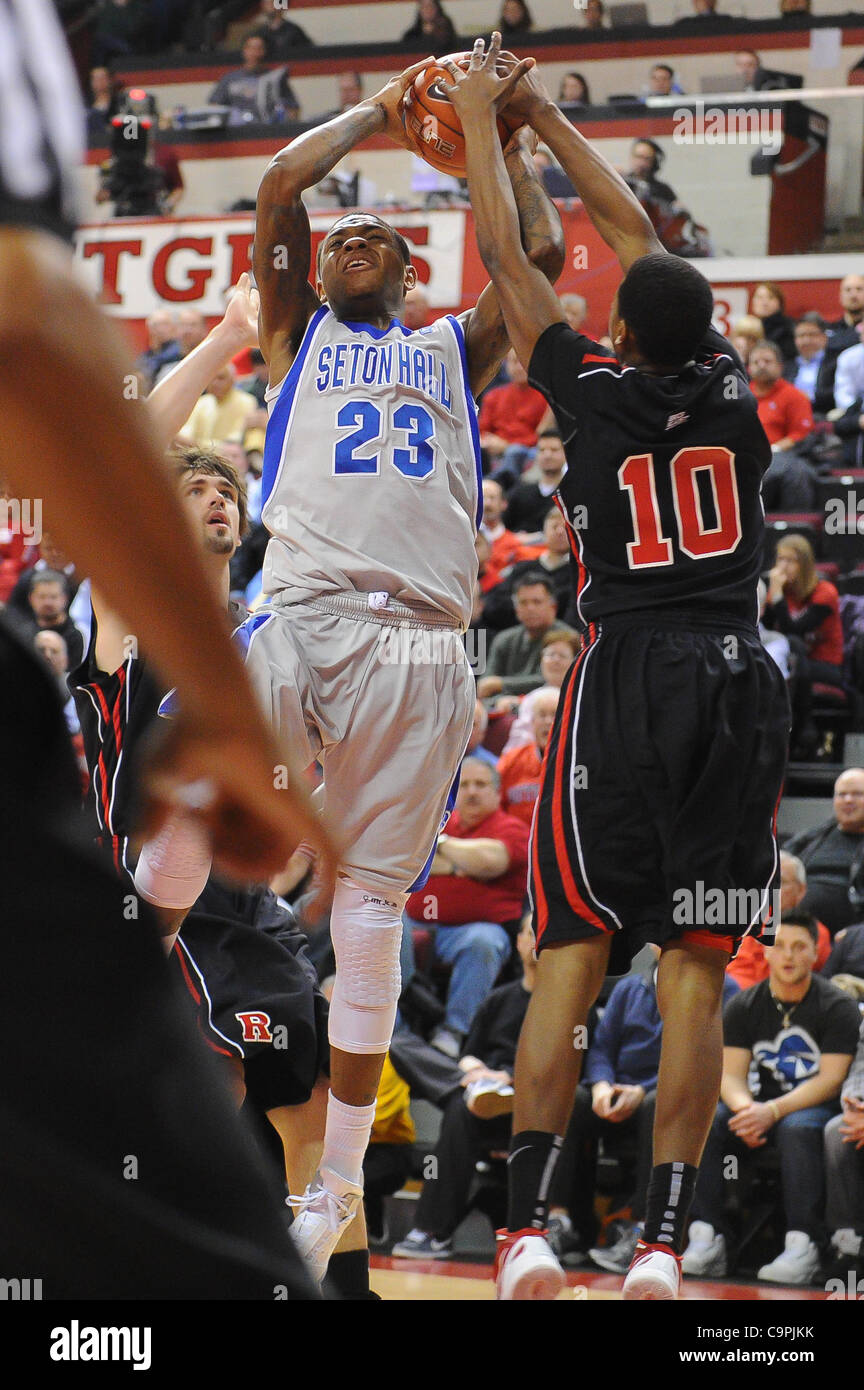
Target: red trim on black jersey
592,357
223,1052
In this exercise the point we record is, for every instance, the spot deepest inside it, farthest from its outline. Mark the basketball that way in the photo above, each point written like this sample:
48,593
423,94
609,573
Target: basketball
431,124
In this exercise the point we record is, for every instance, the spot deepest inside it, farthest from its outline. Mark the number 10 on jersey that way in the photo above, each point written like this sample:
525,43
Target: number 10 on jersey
413,426
651,547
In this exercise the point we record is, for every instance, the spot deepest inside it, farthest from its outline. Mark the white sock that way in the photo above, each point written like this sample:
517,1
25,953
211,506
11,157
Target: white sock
346,1138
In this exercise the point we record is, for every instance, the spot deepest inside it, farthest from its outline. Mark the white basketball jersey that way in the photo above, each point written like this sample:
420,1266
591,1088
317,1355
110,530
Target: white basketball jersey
372,471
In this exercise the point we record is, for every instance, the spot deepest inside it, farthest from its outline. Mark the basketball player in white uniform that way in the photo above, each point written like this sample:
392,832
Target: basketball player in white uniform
371,491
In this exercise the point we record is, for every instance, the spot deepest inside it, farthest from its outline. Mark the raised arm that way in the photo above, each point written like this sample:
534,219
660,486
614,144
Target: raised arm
282,239
486,337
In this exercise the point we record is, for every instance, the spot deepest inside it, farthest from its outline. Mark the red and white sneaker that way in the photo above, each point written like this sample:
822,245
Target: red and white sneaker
655,1272
525,1266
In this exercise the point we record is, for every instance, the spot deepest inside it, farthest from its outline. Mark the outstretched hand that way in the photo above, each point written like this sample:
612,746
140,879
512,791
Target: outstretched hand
241,316
482,86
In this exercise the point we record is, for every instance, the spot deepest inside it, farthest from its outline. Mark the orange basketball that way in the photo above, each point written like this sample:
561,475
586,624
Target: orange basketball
432,125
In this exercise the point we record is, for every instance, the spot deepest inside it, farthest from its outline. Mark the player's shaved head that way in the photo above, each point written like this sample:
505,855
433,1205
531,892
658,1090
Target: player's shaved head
667,305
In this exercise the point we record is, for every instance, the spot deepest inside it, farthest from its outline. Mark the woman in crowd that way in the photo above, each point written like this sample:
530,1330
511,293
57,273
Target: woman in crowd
768,303
433,27
574,90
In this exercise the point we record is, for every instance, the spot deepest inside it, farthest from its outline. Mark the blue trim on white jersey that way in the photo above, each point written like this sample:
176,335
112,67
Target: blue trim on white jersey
471,411
285,402
423,876
169,705
357,327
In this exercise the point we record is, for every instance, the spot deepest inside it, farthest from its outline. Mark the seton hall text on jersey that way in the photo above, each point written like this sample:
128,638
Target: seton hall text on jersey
342,366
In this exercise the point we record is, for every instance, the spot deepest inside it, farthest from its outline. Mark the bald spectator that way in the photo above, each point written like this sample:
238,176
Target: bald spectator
510,417
475,747
513,667
222,412
751,963
842,332
48,604
519,768
417,309
162,345
833,855
787,419
51,646
474,898
504,549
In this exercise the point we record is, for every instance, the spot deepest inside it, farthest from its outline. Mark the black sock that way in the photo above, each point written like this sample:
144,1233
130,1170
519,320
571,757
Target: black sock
670,1196
348,1275
533,1155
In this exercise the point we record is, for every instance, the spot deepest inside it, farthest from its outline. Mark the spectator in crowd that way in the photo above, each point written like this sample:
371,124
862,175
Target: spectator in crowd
257,381
190,330
847,954
662,82
559,651
813,367
478,1100
751,963
103,98
50,557
349,86
504,548
746,333
574,91
473,898
775,643
842,332
475,747
788,1044
555,181
849,378
748,65
553,561
432,28
806,610
672,222
280,35
833,854
241,89
844,1174
575,310
528,503
162,346
509,419
513,667
616,1095
594,15
519,768
788,7
704,17
417,309
223,412
119,29
768,303
787,419
52,648
49,611
515,18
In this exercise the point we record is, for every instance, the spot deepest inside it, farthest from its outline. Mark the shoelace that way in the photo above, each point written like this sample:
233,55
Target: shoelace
342,1204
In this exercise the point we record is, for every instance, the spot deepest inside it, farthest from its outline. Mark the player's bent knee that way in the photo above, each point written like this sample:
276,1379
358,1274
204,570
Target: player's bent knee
366,927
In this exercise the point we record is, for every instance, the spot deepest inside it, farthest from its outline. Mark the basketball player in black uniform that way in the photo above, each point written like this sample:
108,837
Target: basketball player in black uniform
664,768
113,1071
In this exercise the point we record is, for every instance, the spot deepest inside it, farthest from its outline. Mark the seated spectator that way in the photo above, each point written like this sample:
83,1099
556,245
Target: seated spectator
616,1094
50,557
751,963
805,609
672,222
575,310
509,419
849,379
519,769
574,91
788,485
746,333
788,1045
842,332
242,88
478,1101
475,747
528,503
120,27
847,954
475,892
162,346
768,303
704,17
776,645
102,103
53,650
554,180
844,1175
594,15
662,82
432,28
222,412
553,561
505,550
190,329
49,611
748,65
515,18
350,88
513,667
559,652
280,34
813,367
833,855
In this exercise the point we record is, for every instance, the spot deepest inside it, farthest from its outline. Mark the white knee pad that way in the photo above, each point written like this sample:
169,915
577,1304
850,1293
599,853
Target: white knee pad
366,927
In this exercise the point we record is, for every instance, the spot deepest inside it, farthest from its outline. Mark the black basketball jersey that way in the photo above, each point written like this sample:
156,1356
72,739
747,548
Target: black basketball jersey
662,489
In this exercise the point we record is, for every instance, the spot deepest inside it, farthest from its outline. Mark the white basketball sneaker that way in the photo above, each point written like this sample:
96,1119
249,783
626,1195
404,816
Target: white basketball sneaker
798,1263
654,1273
525,1267
324,1213
706,1252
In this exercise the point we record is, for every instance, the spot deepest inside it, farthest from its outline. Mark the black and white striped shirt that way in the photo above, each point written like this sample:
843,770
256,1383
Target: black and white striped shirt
41,120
